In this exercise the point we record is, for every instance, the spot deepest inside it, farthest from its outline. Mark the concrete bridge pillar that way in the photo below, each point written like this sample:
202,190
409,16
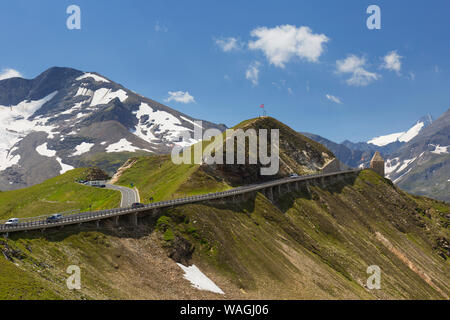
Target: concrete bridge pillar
307,186
97,223
270,193
279,189
297,187
115,221
133,219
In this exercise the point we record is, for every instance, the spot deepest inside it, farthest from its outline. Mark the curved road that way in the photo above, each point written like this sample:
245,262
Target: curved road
129,196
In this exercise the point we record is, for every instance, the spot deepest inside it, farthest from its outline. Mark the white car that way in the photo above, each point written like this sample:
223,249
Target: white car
12,221
294,175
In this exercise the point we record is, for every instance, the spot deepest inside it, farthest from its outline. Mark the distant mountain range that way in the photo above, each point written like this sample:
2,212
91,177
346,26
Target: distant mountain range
359,154
67,118
417,160
422,166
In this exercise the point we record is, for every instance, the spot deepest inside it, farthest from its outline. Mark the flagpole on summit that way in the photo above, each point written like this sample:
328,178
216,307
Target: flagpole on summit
264,110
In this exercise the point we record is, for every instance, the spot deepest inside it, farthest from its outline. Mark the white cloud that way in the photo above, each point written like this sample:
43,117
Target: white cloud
180,96
228,44
9,73
333,99
252,72
282,43
392,62
355,66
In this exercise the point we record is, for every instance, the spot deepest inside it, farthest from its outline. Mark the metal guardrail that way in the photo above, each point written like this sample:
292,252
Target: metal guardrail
36,223
44,217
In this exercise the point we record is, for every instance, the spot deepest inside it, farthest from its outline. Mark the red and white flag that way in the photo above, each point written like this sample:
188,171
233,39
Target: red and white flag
262,106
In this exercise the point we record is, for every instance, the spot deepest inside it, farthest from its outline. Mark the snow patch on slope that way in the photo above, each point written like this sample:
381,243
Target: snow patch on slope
8,161
76,107
160,121
82,148
91,75
439,149
15,124
142,129
84,92
64,167
104,96
122,146
390,167
406,163
44,151
199,280
404,174
400,136
385,140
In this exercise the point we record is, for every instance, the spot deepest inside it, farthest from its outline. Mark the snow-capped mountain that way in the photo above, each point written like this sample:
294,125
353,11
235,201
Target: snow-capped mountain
404,136
422,166
53,123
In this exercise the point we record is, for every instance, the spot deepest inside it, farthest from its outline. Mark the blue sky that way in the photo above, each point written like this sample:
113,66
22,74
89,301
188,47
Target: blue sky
330,78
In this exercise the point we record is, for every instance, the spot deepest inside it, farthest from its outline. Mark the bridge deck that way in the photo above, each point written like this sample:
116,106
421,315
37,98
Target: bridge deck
39,223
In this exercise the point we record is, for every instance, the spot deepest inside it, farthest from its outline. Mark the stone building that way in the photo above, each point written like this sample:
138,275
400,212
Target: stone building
377,164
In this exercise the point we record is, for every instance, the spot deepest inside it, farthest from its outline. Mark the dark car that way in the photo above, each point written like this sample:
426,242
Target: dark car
137,205
54,218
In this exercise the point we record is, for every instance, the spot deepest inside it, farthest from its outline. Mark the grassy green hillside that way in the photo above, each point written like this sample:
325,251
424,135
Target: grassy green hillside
318,242
312,244
56,195
108,162
157,177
